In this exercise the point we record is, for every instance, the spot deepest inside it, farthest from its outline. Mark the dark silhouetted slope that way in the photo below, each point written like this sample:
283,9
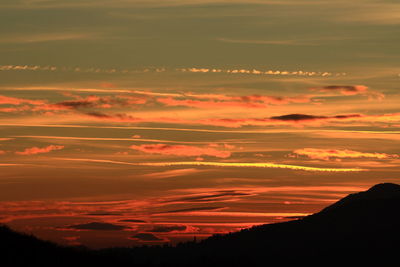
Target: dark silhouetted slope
17,249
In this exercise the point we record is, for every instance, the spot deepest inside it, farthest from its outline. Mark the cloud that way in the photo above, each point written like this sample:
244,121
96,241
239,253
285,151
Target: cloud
115,117
41,38
306,117
223,101
16,109
103,214
251,165
133,221
37,150
188,210
208,104
327,154
316,41
344,89
219,164
123,4
289,119
146,237
350,90
181,150
171,173
226,145
18,101
373,12
97,226
93,101
168,228
214,197
262,72
252,71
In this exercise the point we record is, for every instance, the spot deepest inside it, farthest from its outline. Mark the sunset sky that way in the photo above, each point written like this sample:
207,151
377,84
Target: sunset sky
129,122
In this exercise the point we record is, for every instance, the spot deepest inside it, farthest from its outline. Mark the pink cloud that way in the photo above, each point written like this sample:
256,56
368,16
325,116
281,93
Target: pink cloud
181,150
37,150
4,100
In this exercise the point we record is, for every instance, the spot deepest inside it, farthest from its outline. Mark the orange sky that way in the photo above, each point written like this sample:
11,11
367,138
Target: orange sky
145,123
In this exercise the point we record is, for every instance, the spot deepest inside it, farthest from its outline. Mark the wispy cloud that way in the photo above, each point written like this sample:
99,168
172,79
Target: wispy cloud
133,139
38,4
288,42
181,150
172,173
199,70
38,150
327,154
96,226
45,37
219,164
223,101
252,165
350,90
18,101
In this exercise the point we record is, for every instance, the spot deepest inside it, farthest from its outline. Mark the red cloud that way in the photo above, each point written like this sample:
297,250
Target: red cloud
181,150
326,154
37,150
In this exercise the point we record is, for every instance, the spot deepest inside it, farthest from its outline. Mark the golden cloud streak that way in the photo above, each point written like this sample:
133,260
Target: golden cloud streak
221,164
251,165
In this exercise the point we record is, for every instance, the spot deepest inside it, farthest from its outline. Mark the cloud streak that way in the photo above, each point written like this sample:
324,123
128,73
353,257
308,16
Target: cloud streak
327,154
97,226
181,150
219,164
350,90
252,165
4,100
38,150
225,101
253,71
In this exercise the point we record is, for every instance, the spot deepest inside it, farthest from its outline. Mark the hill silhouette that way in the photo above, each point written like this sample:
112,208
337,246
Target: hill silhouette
362,229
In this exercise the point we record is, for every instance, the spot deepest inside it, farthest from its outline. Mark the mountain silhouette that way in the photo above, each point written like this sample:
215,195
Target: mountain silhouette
362,229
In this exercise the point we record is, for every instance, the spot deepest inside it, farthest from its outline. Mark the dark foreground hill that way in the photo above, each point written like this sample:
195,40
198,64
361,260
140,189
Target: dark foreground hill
362,229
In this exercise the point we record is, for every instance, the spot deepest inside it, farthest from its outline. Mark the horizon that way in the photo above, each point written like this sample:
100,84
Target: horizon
126,123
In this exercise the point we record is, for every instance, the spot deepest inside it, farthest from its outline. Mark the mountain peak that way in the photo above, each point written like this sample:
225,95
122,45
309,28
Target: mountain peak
384,189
